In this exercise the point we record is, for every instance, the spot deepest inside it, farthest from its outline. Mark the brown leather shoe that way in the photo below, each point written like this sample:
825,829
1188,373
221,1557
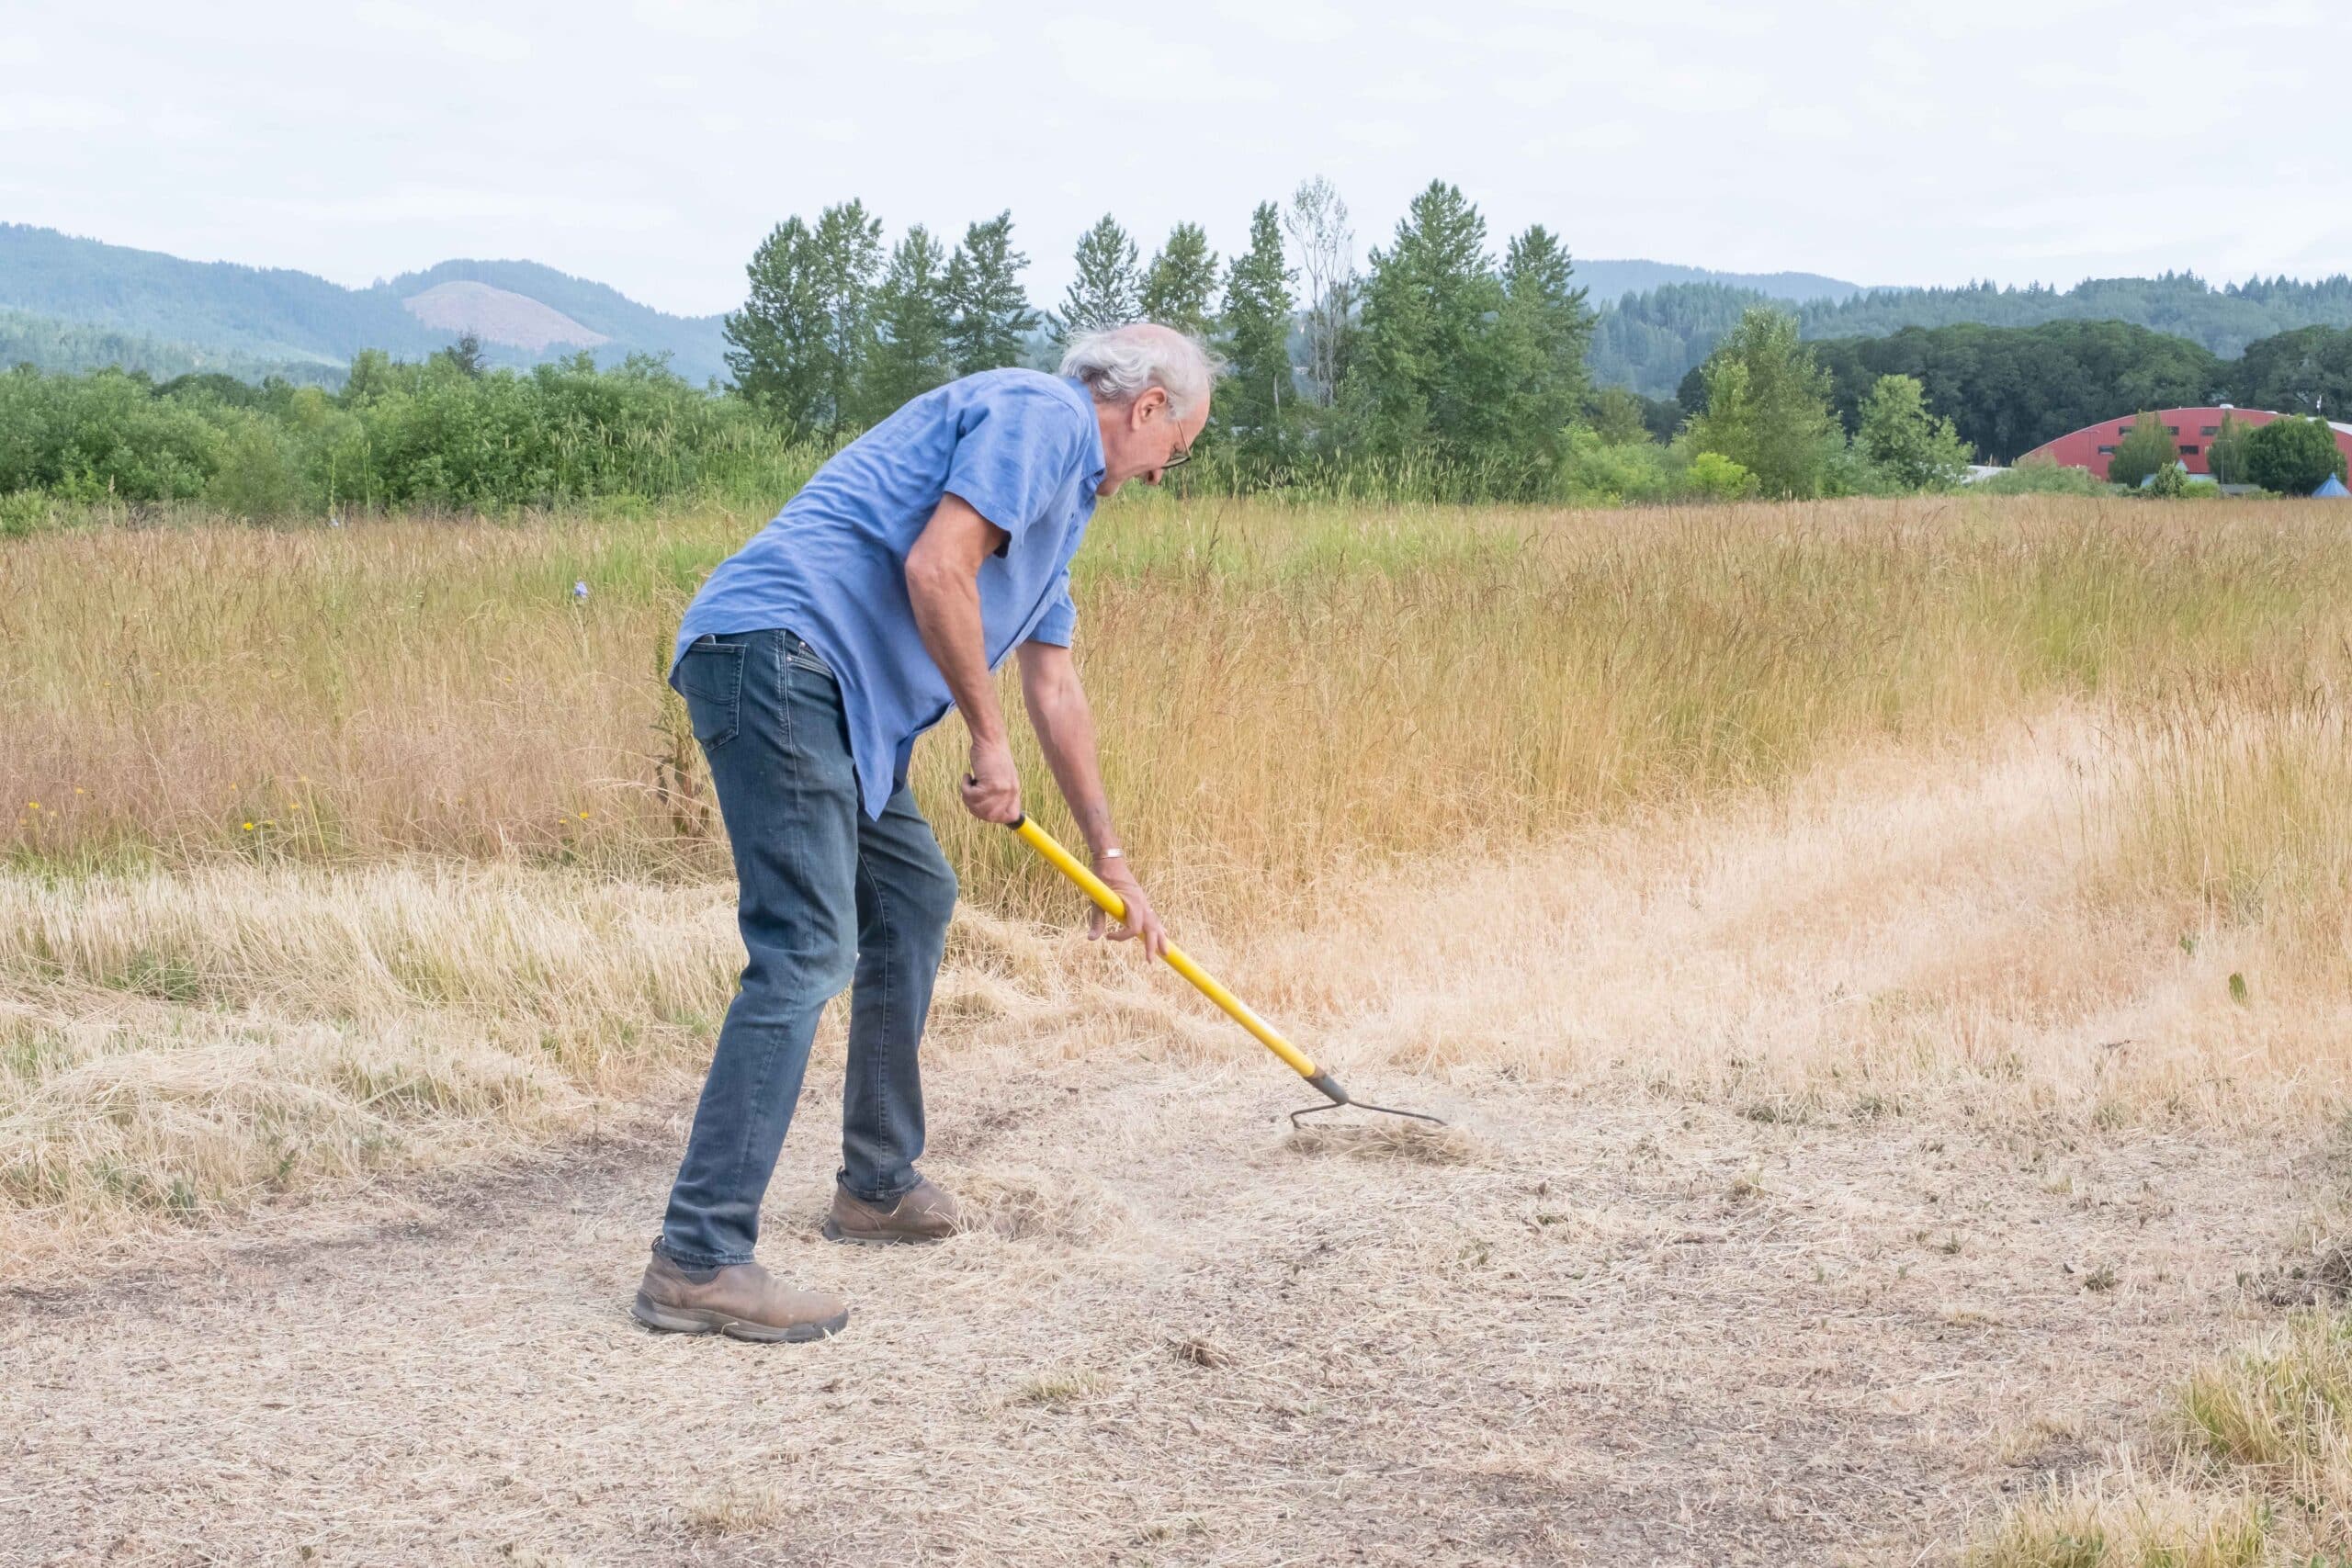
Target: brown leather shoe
740,1301
922,1212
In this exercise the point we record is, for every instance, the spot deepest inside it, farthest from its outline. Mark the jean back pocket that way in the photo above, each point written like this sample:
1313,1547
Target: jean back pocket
710,677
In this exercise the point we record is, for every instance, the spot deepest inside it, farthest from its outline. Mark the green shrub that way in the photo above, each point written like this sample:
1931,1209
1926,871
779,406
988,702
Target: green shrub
2042,476
101,437
430,433
1714,477
256,475
25,513
1597,471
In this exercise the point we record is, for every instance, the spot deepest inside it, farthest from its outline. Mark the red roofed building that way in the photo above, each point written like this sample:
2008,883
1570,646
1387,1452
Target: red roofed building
2192,430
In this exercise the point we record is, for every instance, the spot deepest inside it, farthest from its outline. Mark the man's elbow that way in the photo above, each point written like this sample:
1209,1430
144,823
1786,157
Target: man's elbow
1051,694
929,575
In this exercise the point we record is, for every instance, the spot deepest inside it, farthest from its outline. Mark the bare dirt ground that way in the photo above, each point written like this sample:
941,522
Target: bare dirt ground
1627,1330
1665,1303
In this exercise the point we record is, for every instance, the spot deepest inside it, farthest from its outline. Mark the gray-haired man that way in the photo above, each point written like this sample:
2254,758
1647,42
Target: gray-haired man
886,590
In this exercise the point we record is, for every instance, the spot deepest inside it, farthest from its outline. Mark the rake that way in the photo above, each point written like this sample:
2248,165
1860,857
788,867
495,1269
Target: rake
1233,1007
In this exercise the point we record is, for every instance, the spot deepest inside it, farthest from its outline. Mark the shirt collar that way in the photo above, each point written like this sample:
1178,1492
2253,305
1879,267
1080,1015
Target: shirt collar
1094,465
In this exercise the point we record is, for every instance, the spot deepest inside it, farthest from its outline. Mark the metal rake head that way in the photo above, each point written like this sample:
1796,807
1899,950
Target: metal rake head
1343,1103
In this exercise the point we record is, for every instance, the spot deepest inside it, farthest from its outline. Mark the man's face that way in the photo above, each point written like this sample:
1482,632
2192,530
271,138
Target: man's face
1144,437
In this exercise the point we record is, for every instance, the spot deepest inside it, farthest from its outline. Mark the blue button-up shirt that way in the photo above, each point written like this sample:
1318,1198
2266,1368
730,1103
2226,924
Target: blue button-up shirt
1022,447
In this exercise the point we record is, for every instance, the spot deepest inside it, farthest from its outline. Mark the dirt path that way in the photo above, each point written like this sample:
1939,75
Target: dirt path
1630,1330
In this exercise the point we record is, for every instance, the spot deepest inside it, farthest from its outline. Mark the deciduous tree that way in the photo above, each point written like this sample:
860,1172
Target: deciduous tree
1317,225
2147,446
1767,407
2293,456
1904,440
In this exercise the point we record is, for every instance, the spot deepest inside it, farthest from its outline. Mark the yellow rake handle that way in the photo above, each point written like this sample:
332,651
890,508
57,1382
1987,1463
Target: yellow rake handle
1095,887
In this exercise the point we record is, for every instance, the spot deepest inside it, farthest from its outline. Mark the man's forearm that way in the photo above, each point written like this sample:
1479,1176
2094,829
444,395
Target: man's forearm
1065,726
947,614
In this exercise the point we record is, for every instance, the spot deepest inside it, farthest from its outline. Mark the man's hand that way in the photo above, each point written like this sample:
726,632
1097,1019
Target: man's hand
993,789
1141,921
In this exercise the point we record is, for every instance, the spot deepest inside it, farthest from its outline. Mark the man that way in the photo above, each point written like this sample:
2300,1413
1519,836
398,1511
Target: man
888,589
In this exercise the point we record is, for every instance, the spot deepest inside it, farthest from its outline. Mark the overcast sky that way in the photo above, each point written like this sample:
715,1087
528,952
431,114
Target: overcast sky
651,145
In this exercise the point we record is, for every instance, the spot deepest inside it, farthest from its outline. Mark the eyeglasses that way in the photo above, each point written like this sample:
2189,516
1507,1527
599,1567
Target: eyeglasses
1177,460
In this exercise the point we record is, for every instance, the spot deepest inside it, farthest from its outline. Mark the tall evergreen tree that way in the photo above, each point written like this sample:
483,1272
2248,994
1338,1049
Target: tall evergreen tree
1256,401
990,313
912,315
1430,303
1544,329
1767,406
847,246
777,342
1108,289
1182,280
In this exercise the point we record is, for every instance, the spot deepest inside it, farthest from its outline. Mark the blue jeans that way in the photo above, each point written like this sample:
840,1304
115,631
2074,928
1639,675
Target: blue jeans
827,896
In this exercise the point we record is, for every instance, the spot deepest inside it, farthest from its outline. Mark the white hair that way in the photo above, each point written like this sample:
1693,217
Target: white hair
1120,364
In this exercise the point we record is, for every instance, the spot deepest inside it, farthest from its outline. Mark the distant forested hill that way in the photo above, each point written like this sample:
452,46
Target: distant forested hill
1607,280
272,316
47,344
1649,342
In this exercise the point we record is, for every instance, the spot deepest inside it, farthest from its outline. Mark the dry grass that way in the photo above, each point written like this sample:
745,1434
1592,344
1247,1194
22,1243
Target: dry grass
1381,1137
1900,930
1280,688
2246,811
2262,1475
194,1043
1824,808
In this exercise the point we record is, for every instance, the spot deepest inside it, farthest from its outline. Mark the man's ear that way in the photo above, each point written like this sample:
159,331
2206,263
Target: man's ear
1154,399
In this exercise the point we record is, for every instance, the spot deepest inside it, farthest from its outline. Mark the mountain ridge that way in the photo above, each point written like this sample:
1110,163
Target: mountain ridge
279,314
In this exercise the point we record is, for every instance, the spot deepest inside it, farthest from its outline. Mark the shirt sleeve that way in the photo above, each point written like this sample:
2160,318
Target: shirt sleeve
1059,624
1014,451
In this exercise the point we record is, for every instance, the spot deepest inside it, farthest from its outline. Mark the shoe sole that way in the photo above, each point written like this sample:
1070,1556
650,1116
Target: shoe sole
832,1231
701,1320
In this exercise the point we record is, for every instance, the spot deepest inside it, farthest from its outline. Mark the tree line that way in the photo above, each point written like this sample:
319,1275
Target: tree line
1441,366
1438,354
1650,342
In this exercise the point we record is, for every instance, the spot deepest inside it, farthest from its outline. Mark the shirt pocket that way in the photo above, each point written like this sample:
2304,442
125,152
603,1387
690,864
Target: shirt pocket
710,677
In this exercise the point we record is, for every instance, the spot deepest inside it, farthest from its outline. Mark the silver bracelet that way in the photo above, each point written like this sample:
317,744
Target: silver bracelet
1110,855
